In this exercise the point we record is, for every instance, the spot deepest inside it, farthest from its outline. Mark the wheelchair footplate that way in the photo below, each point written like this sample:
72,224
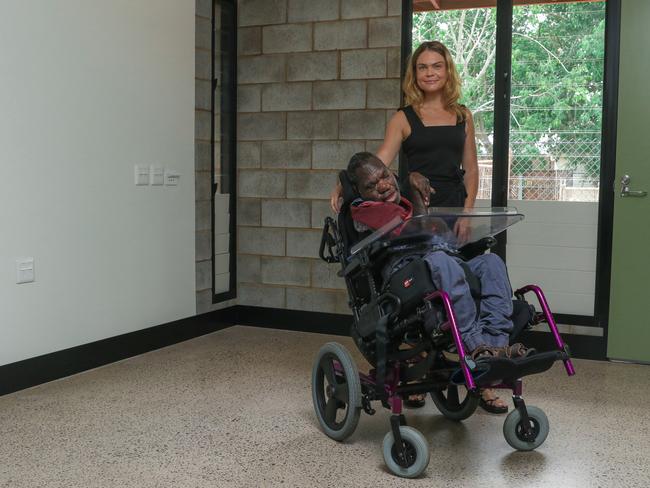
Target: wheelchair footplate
491,371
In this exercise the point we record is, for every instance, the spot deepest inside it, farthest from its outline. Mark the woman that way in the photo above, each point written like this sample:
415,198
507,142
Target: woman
437,136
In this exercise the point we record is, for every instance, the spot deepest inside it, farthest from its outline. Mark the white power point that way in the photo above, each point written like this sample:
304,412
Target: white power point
171,177
24,270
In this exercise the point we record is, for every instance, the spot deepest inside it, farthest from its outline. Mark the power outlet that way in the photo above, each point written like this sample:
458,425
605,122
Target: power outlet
171,177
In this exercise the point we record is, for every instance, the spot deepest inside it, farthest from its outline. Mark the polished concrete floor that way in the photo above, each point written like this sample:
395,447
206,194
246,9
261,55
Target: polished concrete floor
234,409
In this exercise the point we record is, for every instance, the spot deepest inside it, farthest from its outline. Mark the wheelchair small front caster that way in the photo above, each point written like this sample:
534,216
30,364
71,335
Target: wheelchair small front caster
524,439
412,458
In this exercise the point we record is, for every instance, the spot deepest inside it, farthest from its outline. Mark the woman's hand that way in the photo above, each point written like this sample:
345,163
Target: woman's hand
462,230
336,197
421,185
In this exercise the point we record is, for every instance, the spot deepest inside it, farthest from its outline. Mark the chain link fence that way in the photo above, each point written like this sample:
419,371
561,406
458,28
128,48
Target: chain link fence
561,166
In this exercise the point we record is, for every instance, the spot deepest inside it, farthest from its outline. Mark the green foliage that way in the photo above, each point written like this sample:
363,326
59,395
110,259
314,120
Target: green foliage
557,73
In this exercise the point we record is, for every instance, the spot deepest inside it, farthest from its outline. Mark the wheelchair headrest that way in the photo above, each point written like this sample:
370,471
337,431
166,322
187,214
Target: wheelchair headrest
346,226
350,193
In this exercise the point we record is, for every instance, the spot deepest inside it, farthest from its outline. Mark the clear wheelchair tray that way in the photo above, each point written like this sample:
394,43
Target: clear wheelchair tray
449,228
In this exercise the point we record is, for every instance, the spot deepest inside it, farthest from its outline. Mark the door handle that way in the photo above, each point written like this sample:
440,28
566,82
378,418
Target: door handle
625,188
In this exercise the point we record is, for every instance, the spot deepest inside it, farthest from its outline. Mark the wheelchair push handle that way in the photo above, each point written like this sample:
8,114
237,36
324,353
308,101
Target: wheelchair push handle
329,241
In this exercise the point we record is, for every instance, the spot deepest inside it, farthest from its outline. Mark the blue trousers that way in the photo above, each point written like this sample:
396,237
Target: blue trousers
493,325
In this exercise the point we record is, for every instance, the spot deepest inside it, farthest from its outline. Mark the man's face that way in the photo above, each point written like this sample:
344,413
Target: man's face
377,183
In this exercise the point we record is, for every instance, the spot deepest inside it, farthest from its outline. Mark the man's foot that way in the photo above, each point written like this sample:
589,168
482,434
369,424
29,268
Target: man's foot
518,350
415,401
486,352
490,402
451,354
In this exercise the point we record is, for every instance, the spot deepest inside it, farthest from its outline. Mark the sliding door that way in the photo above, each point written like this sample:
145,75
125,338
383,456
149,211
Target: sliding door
532,74
557,69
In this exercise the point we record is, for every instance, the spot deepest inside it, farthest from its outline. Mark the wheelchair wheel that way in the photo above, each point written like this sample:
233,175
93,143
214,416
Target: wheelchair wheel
450,404
417,453
513,429
336,391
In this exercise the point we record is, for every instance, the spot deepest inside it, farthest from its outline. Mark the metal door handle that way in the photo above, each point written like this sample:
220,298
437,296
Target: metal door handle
625,188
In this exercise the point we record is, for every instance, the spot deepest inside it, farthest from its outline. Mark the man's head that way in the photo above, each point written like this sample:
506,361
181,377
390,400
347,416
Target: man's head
372,178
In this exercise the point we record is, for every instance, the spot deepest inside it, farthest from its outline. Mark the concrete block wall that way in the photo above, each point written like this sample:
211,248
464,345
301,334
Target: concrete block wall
317,82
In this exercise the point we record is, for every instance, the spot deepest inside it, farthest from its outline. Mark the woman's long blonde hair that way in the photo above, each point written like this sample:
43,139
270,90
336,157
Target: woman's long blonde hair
451,91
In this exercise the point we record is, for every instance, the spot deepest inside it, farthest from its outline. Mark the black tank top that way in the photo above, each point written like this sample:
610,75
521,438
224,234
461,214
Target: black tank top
437,152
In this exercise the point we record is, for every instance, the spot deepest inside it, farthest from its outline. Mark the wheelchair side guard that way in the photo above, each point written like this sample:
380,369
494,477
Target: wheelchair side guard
548,318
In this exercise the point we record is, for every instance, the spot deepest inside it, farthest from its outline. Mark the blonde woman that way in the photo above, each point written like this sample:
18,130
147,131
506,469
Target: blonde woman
437,136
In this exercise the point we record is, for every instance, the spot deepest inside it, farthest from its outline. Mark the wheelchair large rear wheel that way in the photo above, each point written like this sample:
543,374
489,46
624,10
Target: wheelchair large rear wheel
455,403
336,391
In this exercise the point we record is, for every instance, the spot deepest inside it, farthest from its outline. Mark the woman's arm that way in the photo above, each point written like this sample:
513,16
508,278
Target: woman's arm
470,162
396,131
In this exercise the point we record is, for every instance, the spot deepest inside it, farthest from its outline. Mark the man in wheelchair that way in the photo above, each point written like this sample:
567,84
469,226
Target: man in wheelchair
486,333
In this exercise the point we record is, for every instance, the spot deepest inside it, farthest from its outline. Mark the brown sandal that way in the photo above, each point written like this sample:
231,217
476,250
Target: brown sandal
415,401
491,406
518,350
485,352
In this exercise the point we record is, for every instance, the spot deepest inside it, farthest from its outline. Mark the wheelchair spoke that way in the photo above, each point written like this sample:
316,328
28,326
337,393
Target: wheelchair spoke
328,368
452,397
330,410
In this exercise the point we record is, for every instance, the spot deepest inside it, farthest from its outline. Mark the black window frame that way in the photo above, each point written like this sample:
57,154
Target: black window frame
227,29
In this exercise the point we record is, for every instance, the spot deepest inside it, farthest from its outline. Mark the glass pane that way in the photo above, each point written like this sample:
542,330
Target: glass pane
470,36
556,103
223,137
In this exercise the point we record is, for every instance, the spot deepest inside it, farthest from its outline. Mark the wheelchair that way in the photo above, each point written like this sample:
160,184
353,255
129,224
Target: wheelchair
408,332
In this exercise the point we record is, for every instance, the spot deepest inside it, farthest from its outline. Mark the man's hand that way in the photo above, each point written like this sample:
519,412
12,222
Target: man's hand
421,184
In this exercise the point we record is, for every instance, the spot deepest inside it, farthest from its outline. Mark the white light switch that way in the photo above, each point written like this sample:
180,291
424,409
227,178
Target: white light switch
24,270
171,177
157,175
141,175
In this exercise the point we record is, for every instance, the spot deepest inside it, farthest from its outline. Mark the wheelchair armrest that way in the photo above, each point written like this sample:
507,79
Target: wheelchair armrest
367,257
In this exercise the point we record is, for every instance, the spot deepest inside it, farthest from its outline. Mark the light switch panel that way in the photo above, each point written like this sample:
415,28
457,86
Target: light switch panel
141,175
25,270
157,175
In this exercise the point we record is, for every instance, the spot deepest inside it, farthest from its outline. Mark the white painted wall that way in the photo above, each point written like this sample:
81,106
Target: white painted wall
88,89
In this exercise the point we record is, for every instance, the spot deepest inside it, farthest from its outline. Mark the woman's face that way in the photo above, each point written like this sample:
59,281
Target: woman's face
430,71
